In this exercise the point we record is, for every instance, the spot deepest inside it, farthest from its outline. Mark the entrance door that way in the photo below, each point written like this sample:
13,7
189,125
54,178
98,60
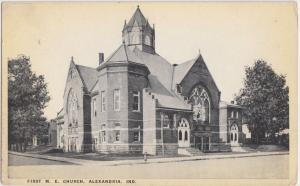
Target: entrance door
204,144
234,137
183,133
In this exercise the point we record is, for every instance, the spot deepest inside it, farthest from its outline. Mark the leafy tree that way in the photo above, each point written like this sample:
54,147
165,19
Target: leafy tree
265,97
27,97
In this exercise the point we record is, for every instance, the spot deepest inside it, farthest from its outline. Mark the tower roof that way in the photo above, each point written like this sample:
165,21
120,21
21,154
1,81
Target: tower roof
137,17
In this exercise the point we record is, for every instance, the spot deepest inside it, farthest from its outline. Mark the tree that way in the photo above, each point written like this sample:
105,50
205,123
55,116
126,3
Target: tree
27,97
265,97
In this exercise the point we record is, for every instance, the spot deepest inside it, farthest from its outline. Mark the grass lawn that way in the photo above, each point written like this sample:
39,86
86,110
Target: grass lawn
131,156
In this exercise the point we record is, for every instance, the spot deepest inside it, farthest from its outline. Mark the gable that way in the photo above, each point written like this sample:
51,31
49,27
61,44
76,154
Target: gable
73,75
73,72
197,67
199,74
85,76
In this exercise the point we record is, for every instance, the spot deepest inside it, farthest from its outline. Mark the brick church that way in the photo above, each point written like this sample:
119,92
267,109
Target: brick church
136,101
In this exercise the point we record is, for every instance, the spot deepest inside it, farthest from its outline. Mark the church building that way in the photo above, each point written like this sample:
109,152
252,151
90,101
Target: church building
135,101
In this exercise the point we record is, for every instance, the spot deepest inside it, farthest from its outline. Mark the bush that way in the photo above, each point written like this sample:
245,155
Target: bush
284,140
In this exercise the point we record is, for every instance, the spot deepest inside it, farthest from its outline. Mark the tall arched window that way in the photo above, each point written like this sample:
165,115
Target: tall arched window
72,109
201,104
180,135
206,108
147,40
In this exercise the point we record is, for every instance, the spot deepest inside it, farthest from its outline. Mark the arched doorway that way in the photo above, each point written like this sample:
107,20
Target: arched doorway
234,137
183,133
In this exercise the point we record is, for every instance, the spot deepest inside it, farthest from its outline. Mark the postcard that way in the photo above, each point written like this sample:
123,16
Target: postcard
149,93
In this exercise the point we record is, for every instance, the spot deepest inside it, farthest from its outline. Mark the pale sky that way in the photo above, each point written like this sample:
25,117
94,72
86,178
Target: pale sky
228,35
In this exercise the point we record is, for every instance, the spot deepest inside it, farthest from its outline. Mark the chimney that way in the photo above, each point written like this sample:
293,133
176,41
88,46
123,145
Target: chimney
173,69
101,58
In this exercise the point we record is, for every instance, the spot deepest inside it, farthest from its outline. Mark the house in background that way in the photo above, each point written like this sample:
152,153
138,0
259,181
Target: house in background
232,129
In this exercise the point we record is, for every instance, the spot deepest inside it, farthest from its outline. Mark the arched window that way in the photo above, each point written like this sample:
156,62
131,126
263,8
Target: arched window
72,109
135,39
201,104
206,108
180,135
186,135
147,40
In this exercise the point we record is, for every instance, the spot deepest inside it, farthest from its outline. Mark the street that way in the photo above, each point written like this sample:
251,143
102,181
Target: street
16,160
273,166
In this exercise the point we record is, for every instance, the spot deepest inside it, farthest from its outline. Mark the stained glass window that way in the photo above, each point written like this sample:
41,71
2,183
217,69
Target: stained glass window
201,104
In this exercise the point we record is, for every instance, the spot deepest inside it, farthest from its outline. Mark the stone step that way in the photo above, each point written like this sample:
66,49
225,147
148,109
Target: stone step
190,151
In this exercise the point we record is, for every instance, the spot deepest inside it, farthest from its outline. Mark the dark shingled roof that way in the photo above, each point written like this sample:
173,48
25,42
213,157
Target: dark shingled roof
137,18
181,70
88,76
160,78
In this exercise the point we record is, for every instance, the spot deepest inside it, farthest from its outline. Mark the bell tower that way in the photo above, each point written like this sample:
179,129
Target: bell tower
138,33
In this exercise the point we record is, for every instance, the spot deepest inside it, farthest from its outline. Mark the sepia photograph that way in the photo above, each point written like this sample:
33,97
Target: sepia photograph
149,93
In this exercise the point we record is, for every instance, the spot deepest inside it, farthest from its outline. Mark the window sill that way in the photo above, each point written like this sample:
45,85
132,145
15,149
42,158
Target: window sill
136,111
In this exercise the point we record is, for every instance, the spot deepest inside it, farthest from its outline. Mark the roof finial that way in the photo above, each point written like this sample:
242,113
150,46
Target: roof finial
199,51
72,59
138,6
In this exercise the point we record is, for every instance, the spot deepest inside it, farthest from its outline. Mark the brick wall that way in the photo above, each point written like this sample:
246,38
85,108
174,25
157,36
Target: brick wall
149,126
223,125
199,75
126,79
74,84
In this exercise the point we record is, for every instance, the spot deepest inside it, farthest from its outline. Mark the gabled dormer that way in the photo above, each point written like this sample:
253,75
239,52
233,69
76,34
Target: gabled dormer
138,33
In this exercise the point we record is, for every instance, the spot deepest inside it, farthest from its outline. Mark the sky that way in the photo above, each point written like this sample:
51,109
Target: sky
229,36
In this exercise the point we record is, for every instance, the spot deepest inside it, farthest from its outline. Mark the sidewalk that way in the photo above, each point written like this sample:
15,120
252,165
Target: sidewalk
140,161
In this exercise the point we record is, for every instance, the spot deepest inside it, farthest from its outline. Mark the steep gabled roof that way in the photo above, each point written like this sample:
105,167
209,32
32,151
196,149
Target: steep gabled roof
157,65
183,69
166,98
88,76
